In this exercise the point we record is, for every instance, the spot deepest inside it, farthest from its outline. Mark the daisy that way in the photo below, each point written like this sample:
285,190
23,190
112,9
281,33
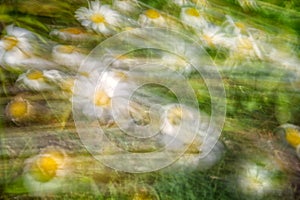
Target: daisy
128,7
150,18
69,56
246,48
100,18
15,46
255,180
235,27
95,97
46,173
17,50
213,36
73,34
34,80
19,110
176,125
192,17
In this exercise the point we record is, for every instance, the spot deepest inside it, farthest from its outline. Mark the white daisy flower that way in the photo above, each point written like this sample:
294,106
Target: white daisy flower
235,27
17,50
255,180
72,34
176,63
193,17
19,110
34,80
100,18
176,125
46,172
95,97
212,36
150,18
246,48
68,55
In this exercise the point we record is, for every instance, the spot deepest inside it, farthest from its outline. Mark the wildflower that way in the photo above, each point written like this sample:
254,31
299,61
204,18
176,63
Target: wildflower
19,109
68,55
100,18
95,97
150,18
46,172
246,48
255,179
212,36
176,126
235,27
192,17
34,80
72,34
17,50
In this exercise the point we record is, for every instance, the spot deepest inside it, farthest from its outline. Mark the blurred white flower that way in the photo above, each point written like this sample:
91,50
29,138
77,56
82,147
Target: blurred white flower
68,55
34,80
213,36
151,18
255,180
95,96
17,50
73,34
177,125
100,18
46,173
192,17
246,48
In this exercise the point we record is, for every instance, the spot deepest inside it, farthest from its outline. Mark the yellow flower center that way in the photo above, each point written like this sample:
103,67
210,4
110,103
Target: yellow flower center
292,136
102,99
208,39
192,12
66,49
18,108
10,42
44,169
152,14
175,116
75,31
34,75
240,25
97,18
245,44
